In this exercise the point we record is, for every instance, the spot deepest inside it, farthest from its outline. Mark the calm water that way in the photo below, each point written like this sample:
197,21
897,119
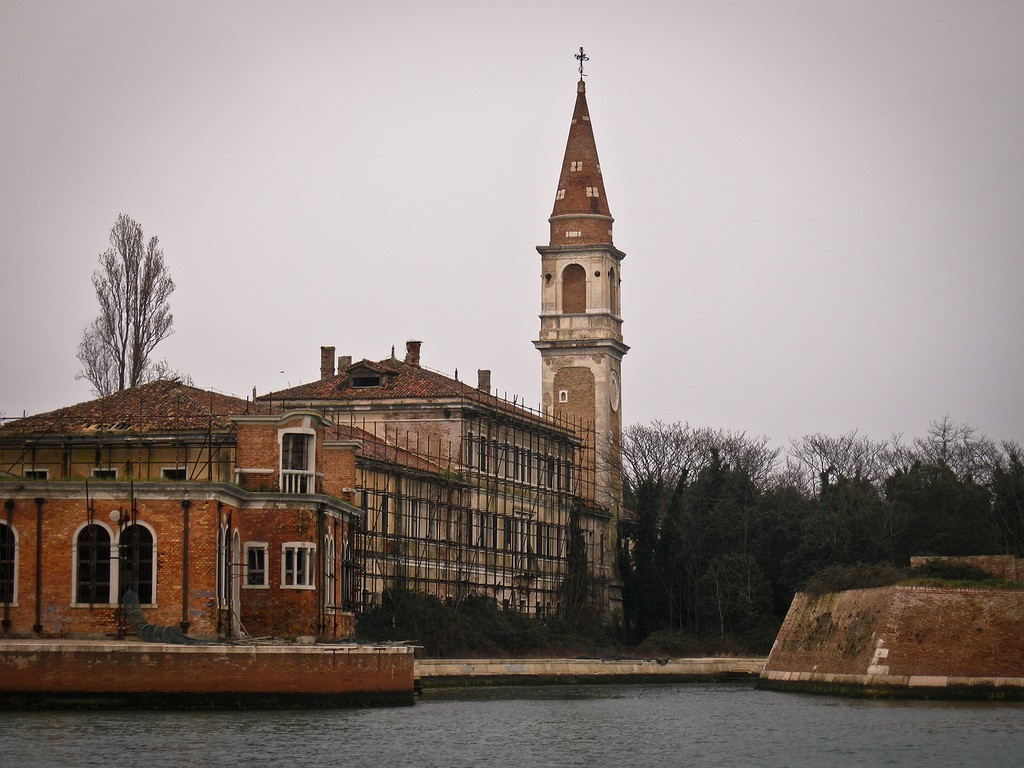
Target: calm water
678,725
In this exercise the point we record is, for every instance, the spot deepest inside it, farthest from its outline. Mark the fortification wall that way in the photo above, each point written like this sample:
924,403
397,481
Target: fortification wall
901,637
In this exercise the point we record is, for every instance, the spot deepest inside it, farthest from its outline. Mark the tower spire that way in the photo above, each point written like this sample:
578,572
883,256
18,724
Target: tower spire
581,215
580,340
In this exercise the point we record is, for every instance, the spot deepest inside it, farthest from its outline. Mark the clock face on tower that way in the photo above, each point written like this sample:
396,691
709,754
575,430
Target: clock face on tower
613,391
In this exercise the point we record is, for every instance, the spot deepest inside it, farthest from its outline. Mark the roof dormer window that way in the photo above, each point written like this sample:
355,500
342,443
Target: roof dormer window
592,192
362,382
575,165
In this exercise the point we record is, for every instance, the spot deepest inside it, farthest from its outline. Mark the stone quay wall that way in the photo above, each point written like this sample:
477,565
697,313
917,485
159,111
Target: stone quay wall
472,672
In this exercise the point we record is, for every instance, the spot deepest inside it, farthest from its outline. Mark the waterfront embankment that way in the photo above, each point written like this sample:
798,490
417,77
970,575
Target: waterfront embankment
82,674
438,673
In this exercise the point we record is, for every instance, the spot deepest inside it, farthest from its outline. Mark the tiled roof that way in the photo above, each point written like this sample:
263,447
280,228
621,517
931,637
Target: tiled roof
581,195
377,449
402,381
157,407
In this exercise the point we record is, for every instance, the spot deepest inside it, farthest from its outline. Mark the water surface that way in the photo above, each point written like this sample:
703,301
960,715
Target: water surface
673,725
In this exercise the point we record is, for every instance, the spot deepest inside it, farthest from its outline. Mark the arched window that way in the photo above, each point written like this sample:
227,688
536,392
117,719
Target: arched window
137,564
8,564
613,292
223,567
330,580
574,289
92,565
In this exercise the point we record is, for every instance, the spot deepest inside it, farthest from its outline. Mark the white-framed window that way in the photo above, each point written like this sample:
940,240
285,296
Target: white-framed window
102,473
298,562
575,165
592,192
563,395
297,460
8,564
560,195
574,233
31,473
173,473
256,575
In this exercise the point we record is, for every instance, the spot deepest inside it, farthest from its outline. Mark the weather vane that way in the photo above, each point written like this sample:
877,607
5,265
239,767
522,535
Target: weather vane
582,57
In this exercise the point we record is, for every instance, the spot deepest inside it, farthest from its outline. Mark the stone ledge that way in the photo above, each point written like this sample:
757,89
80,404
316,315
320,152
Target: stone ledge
894,686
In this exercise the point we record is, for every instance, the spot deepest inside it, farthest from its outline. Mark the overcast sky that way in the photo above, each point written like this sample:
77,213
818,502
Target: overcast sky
820,202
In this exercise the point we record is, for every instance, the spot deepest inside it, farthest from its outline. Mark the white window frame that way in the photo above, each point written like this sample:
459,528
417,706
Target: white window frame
96,470
575,165
293,474
17,551
27,473
256,546
309,550
593,192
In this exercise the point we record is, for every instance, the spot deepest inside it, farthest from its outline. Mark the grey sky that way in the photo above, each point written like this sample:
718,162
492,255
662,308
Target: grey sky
820,202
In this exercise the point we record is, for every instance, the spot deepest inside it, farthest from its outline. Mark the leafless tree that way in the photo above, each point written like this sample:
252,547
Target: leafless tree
662,452
961,447
132,287
851,456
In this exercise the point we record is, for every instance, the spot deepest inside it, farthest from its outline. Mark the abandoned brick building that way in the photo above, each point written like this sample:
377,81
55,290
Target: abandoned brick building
288,514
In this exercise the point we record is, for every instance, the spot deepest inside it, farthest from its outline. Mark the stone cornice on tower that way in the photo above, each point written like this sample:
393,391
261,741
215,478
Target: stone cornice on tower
581,215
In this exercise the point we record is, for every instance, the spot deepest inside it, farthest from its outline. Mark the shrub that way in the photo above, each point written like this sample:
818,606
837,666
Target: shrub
837,578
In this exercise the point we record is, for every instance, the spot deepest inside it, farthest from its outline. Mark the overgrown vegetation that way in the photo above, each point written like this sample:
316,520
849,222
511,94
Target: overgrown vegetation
836,578
725,528
477,627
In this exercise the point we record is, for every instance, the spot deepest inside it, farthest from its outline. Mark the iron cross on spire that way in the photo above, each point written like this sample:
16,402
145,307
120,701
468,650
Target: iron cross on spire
581,56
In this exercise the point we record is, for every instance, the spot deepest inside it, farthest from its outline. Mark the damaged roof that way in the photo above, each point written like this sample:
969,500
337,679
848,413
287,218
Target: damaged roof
157,407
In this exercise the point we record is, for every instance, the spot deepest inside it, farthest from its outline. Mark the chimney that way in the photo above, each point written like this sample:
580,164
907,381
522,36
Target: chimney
412,353
483,380
344,361
326,362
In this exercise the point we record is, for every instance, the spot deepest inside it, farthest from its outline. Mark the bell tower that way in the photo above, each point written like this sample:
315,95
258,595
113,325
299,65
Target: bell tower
580,339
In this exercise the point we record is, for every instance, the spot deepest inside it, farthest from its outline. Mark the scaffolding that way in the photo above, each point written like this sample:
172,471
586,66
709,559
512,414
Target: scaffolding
478,496
489,512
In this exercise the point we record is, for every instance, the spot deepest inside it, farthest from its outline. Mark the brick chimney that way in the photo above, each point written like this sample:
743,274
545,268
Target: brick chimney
483,380
344,361
326,362
412,352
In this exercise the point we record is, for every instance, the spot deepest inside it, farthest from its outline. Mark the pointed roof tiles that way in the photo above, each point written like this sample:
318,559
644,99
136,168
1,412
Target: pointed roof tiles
581,215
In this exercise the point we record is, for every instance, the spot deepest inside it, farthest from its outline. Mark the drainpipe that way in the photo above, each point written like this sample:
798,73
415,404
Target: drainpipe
9,506
38,626
186,505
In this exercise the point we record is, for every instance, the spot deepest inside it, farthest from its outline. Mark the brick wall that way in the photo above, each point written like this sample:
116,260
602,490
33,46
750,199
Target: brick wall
139,668
904,631
272,611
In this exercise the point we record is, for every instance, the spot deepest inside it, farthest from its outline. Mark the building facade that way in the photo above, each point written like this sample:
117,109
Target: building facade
226,520
288,514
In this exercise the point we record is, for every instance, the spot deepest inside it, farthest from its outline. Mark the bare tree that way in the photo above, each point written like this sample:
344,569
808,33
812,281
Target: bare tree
132,287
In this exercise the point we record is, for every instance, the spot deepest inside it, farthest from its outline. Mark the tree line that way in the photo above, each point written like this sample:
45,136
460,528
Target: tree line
726,528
